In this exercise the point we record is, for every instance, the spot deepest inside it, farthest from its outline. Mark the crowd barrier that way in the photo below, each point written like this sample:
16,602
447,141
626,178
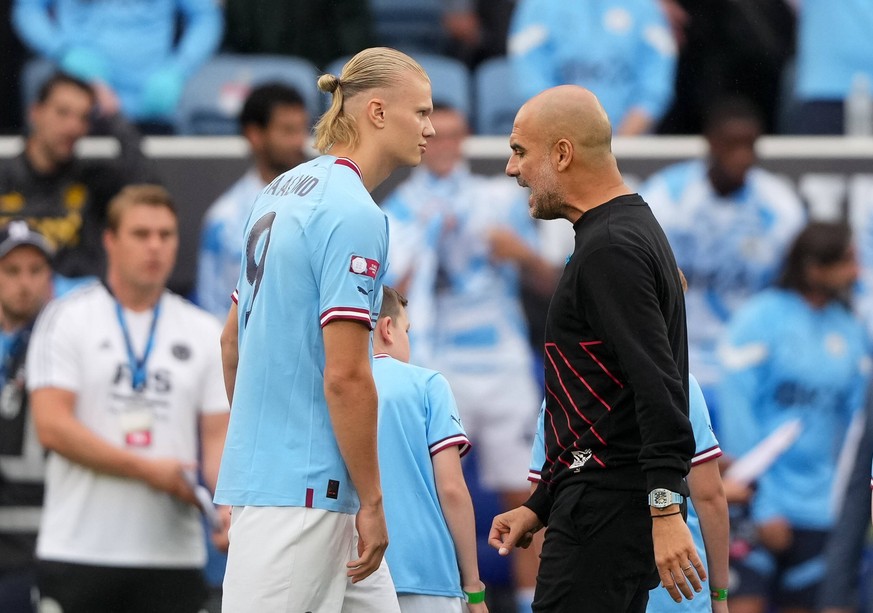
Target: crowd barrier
834,175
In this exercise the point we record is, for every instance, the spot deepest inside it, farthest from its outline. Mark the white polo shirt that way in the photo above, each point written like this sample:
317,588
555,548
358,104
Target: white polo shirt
78,345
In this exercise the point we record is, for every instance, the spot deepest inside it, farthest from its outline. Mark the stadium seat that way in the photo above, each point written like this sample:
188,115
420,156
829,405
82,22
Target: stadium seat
450,79
214,96
496,99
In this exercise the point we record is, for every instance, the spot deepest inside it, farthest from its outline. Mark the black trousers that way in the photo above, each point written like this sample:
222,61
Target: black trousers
597,554
82,588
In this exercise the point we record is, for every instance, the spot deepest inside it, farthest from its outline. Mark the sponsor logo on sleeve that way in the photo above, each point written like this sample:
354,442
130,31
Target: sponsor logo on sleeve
364,266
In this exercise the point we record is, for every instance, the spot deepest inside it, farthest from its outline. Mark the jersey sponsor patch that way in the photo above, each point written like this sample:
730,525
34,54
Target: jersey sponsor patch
364,266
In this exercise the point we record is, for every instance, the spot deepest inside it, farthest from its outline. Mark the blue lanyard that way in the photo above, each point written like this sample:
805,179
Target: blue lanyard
138,365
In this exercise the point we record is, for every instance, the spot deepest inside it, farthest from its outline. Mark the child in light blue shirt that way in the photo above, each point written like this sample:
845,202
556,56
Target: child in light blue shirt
431,528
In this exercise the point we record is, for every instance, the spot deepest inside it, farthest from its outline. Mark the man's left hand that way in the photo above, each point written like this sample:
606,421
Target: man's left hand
680,568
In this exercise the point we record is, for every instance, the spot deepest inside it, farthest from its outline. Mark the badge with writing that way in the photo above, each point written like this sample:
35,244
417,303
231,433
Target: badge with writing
137,419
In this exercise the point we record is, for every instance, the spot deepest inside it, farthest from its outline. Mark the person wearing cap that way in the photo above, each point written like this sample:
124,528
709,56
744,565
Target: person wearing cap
126,392
25,287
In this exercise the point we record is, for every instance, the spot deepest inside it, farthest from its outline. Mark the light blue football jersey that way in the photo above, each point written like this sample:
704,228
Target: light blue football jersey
538,449
124,43
784,360
729,247
315,252
221,243
834,44
622,50
439,228
706,449
418,419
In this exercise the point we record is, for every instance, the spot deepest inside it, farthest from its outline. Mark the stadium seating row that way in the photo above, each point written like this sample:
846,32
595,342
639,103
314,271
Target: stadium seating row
214,95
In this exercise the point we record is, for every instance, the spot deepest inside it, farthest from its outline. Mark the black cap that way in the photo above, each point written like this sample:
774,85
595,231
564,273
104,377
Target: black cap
17,234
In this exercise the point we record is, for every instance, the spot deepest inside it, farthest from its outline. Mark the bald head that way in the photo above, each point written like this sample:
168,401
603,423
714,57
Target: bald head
561,145
570,112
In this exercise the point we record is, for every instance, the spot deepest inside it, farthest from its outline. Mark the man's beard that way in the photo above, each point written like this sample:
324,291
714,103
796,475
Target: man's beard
549,205
20,316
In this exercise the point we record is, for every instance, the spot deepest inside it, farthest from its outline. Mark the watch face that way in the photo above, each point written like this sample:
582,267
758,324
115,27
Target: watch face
660,498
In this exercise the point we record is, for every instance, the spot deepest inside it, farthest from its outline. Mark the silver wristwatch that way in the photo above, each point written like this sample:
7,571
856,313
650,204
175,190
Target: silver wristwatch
661,498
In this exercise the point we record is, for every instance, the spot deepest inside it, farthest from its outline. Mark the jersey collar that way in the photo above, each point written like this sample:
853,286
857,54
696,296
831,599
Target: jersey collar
350,164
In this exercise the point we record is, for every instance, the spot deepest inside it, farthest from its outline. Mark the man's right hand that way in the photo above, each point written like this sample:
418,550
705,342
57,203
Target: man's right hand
372,541
514,528
168,475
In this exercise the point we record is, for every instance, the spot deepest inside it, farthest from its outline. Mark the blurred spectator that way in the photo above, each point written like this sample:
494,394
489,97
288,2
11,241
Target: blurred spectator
275,123
729,223
834,49
844,553
477,28
728,49
61,196
126,390
127,49
622,50
459,244
25,287
318,31
794,352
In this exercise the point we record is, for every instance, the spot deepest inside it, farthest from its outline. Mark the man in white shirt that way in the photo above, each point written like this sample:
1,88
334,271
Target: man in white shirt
126,393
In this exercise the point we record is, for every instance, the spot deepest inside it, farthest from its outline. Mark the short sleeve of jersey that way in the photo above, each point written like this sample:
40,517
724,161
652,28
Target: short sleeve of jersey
444,428
52,356
213,395
351,263
538,449
706,445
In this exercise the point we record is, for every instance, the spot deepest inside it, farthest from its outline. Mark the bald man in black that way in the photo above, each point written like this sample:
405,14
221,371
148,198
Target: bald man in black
618,439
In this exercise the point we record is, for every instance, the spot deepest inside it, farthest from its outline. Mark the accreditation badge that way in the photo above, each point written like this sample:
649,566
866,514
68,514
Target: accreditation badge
137,420
11,398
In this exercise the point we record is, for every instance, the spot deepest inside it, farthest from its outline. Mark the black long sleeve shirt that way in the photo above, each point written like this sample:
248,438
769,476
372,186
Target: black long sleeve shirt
68,205
616,360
